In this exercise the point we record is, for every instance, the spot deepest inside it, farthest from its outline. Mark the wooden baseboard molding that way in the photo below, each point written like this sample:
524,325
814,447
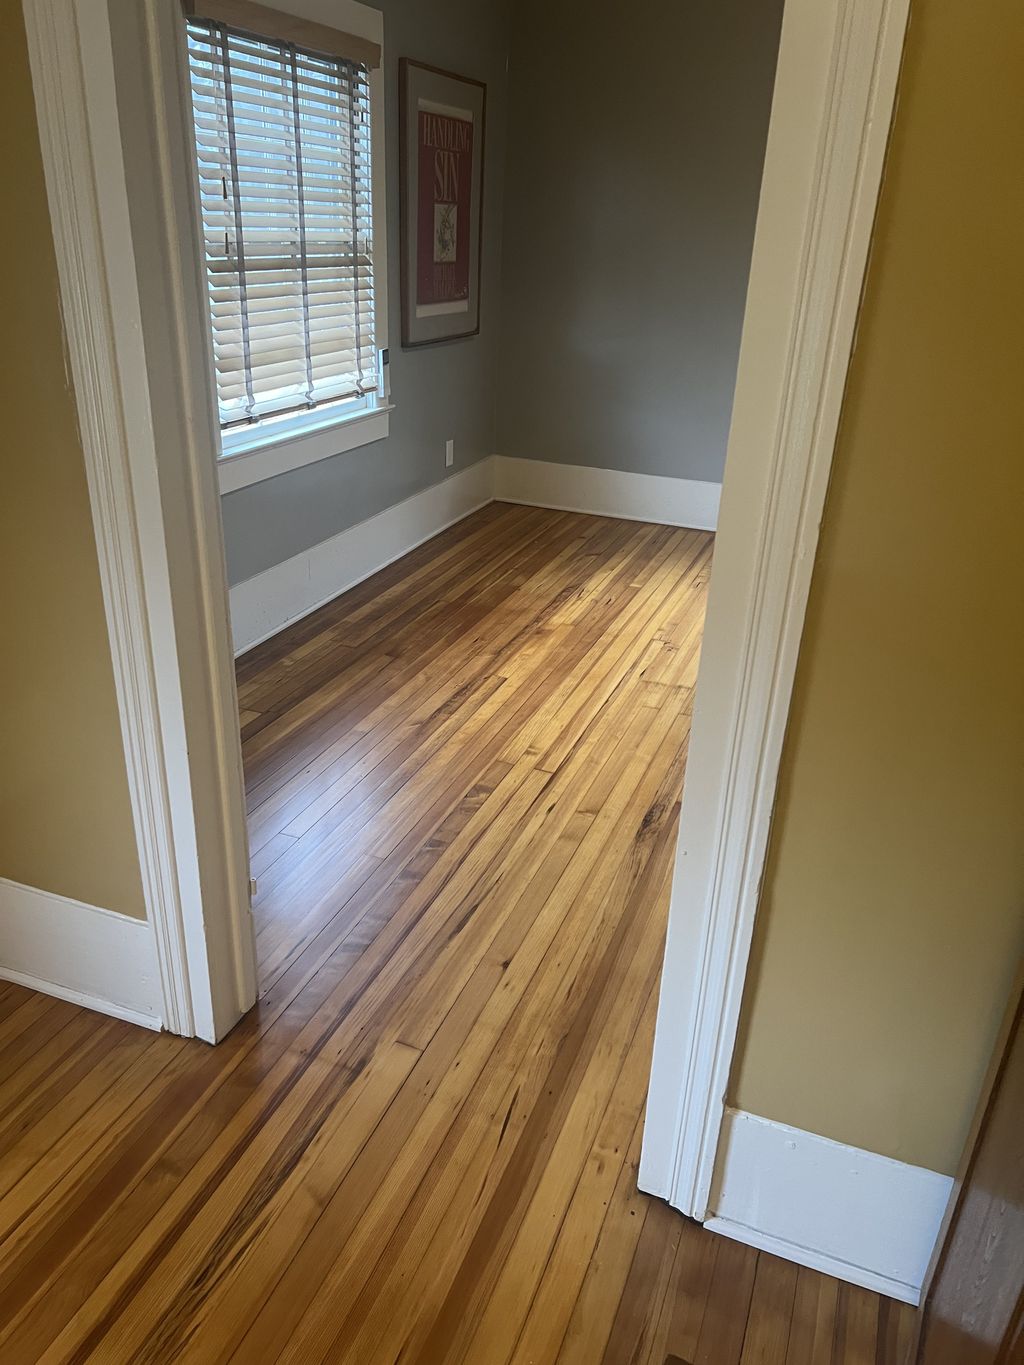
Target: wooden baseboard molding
853,1214
608,492
265,604
92,957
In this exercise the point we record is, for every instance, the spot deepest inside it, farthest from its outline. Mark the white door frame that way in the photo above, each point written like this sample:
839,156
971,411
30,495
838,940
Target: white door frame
160,544
831,111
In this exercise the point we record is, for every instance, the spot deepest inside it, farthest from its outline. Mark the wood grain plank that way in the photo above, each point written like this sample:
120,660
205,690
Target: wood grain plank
695,1264
608,1267
724,1327
856,1338
771,1312
813,1325
649,1276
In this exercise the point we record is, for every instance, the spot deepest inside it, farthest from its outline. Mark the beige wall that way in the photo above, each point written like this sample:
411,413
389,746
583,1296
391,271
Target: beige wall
893,906
65,819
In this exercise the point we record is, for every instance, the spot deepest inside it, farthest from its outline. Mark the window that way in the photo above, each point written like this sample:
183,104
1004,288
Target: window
283,148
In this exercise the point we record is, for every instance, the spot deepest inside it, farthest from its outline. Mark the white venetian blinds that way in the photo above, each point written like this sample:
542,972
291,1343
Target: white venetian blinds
283,143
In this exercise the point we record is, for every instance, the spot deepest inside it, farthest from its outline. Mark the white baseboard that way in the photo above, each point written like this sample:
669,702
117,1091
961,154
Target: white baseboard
853,1214
608,492
265,604
92,957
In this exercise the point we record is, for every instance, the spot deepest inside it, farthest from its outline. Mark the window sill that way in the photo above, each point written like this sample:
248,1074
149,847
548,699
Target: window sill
277,454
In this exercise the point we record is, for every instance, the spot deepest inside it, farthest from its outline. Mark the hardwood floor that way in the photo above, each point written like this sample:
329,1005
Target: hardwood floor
464,780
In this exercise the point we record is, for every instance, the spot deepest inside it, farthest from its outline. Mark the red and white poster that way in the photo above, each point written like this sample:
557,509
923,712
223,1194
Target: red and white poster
442,143
443,228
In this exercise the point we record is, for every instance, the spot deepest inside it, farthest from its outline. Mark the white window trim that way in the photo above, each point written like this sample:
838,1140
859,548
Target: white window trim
248,455
268,450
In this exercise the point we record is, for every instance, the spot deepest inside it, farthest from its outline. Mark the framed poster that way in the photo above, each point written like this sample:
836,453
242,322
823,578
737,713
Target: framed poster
442,155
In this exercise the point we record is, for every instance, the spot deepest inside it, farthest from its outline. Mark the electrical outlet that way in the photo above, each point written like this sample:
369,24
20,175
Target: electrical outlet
449,454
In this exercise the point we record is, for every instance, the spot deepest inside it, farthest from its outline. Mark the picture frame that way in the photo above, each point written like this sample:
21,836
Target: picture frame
441,143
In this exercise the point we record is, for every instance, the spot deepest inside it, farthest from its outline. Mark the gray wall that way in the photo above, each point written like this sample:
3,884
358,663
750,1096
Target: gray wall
636,142
439,391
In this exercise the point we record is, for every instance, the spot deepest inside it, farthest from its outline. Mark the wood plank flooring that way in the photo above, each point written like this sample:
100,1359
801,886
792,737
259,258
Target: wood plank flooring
421,1146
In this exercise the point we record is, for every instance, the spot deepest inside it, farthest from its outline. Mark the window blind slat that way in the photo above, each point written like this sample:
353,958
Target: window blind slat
283,148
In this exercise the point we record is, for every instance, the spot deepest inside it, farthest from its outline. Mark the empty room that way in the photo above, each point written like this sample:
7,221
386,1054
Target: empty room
511,763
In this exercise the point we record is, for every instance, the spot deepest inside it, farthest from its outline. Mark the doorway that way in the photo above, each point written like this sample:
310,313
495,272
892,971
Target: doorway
821,178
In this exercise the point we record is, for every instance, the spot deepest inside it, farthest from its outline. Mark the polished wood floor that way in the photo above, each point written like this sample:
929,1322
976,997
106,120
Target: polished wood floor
464,779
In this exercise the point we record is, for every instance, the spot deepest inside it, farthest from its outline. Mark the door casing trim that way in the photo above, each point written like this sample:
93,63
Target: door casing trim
832,107
170,646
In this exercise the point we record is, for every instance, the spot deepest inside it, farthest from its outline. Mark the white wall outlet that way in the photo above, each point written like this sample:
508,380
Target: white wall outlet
449,454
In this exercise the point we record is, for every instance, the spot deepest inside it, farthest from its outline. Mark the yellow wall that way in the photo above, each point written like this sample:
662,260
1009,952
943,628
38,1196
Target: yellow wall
893,907
65,818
